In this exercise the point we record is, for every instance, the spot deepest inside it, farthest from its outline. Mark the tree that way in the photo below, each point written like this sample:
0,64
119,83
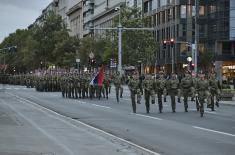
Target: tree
206,60
136,44
48,34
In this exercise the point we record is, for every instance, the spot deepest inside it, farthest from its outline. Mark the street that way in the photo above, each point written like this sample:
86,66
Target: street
167,133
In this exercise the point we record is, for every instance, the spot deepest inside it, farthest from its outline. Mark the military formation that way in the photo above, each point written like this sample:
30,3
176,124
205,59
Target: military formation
201,89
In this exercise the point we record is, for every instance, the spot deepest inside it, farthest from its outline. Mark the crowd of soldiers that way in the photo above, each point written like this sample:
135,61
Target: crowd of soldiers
201,89
71,85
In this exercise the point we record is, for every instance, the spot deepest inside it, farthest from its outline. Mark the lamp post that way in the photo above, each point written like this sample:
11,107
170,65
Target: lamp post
119,40
172,55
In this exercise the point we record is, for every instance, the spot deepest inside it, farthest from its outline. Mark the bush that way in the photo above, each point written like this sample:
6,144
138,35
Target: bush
225,86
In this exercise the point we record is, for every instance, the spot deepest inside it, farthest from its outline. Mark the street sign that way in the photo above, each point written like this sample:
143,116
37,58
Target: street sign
91,55
77,60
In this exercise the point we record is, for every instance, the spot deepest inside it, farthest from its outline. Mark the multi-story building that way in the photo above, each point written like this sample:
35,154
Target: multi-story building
88,12
75,15
51,7
62,9
176,19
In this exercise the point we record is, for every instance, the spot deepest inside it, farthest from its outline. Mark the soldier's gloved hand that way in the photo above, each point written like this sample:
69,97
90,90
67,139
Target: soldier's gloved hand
196,95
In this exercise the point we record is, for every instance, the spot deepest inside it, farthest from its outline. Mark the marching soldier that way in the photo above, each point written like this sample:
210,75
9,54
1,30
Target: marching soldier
133,85
214,91
106,83
173,85
186,84
202,91
118,85
159,87
148,87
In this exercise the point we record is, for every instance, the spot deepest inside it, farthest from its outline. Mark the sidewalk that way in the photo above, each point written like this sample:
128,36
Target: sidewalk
232,103
28,129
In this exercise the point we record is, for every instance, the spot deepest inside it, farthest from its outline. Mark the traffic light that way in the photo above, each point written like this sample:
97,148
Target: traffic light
164,44
14,49
172,42
192,65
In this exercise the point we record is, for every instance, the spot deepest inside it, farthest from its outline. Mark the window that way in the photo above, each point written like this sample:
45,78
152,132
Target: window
193,11
150,5
212,9
163,16
183,11
201,10
226,48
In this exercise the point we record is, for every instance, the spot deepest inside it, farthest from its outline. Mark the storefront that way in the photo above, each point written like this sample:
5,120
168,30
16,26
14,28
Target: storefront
228,70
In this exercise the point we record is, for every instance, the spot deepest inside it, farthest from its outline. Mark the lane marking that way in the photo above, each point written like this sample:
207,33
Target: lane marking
101,106
149,117
89,126
80,101
210,112
220,132
206,111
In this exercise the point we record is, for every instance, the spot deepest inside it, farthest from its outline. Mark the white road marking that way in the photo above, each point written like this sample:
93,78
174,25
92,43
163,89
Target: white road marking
89,126
81,102
224,133
210,112
149,117
101,106
206,111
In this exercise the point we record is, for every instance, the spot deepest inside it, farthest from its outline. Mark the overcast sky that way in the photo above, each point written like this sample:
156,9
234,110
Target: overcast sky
19,14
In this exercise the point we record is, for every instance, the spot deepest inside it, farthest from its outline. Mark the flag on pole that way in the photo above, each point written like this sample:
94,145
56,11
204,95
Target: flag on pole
98,79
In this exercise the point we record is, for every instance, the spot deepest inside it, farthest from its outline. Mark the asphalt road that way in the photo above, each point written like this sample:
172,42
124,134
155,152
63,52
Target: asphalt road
168,133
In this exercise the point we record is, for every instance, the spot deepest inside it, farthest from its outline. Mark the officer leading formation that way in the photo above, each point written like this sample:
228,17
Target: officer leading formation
202,89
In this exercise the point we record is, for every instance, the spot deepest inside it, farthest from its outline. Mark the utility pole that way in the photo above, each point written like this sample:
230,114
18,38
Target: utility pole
196,36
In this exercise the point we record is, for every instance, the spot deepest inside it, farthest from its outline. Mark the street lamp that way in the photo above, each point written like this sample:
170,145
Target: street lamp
172,42
119,40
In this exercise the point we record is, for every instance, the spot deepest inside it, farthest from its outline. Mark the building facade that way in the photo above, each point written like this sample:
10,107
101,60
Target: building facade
88,12
176,19
75,16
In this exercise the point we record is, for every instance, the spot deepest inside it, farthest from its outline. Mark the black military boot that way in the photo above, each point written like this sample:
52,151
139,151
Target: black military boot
160,109
201,114
164,99
217,103
186,109
179,100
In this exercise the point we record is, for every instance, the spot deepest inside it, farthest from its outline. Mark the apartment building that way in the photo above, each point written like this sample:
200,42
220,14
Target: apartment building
176,19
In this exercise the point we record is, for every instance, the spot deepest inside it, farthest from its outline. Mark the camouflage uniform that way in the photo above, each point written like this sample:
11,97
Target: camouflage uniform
135,90
159,86
173,85
118,86
186,84
148,88
202,92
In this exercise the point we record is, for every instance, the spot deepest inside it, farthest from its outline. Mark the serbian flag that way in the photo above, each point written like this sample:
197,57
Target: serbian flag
98,79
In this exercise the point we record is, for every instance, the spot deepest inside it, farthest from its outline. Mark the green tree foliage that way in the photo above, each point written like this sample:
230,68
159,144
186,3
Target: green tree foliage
48,43
137,44
206,59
